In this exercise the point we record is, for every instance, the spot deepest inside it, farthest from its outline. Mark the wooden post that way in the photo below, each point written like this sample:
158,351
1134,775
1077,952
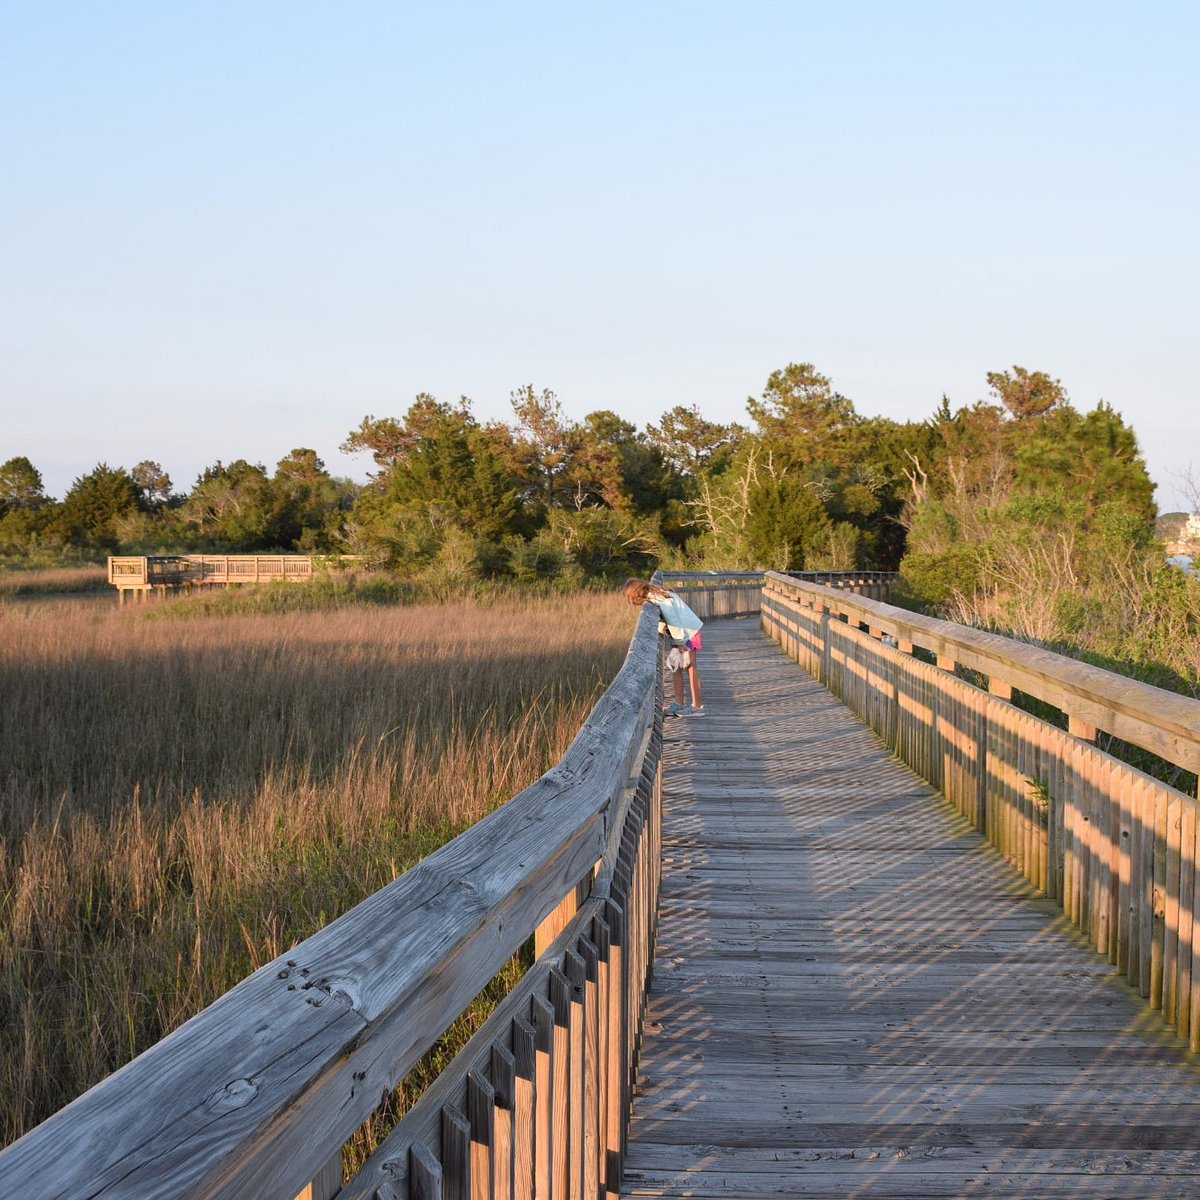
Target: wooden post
561,916
1077,727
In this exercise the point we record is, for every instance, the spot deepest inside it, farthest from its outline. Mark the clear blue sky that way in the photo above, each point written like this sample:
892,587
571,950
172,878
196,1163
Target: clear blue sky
232,229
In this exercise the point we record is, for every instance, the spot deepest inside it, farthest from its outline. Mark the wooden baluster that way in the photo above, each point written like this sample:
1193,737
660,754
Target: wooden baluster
543,1094
1159,933
1187,889
617,1096
560,998
602,936
504,1081
1104,854
1194,983
1171,911
1111,782
456,1154
1087,849
424,1174
524,1110
1031,810
481,1104
1072,833
575,971
1044,757
1142,888
590,953
1126,856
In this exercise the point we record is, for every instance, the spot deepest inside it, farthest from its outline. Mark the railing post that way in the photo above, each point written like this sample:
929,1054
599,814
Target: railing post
560,917
1080,728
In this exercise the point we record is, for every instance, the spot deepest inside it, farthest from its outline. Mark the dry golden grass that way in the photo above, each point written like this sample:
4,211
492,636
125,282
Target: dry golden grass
53,581
183,800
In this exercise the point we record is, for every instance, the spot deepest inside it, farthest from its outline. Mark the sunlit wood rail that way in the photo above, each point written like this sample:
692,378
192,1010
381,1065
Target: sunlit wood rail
145,575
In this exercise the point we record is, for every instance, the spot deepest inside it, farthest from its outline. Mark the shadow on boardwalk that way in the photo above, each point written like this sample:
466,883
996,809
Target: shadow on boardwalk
855,996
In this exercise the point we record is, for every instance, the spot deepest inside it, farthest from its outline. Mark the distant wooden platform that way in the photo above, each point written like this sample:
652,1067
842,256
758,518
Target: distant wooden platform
853,994
144,575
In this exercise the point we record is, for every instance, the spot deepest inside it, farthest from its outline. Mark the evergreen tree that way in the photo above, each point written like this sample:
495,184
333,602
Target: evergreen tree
92,508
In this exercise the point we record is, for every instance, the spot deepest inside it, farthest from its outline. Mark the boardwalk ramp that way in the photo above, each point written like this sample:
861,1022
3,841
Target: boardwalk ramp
854,995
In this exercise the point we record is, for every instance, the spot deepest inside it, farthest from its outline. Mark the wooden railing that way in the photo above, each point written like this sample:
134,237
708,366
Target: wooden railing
256,1095
712,594
1118,850
171,570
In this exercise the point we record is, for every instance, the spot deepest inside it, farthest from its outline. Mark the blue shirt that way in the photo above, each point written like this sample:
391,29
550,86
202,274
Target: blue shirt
677,619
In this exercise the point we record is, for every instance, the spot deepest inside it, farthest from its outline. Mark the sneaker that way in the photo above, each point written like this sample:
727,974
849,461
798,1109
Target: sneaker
694,711
673,709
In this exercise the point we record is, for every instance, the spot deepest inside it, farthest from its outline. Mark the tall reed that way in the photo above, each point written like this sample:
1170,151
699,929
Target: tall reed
180,801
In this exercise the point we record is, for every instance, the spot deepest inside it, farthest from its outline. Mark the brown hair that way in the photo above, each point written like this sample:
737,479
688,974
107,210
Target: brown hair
636,591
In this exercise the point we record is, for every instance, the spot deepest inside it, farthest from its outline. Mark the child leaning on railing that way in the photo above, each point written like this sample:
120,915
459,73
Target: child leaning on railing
682,626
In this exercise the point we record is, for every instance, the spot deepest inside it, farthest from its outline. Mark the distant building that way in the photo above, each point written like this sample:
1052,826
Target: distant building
1180,532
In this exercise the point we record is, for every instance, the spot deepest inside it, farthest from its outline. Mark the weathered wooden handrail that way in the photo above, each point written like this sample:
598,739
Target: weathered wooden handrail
1118,849
255,1095
739,593
1162,722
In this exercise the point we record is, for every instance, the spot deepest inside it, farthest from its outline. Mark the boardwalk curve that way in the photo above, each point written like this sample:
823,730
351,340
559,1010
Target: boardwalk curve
855,996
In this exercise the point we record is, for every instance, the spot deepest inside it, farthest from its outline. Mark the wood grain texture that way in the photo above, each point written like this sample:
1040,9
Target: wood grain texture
853,994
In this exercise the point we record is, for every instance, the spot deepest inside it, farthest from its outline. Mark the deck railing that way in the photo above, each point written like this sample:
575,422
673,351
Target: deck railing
1119,850
256,1095
173,570
739,593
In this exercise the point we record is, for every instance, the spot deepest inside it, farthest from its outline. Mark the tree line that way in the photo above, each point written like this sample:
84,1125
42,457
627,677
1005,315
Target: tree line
806,482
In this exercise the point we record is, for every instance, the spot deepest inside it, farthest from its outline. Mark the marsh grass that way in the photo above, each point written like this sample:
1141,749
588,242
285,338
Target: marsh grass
181,801
53,581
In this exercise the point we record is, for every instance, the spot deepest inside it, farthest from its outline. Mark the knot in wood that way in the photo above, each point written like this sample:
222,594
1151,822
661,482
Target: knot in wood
237,1093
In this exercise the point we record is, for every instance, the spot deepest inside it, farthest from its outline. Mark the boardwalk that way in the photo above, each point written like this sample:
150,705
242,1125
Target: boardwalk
854,996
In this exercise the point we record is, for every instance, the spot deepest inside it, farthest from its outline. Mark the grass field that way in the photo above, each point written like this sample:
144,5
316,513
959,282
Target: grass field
54,581
182,800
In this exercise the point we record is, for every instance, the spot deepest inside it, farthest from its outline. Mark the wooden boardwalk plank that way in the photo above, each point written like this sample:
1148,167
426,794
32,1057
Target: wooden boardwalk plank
854,995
